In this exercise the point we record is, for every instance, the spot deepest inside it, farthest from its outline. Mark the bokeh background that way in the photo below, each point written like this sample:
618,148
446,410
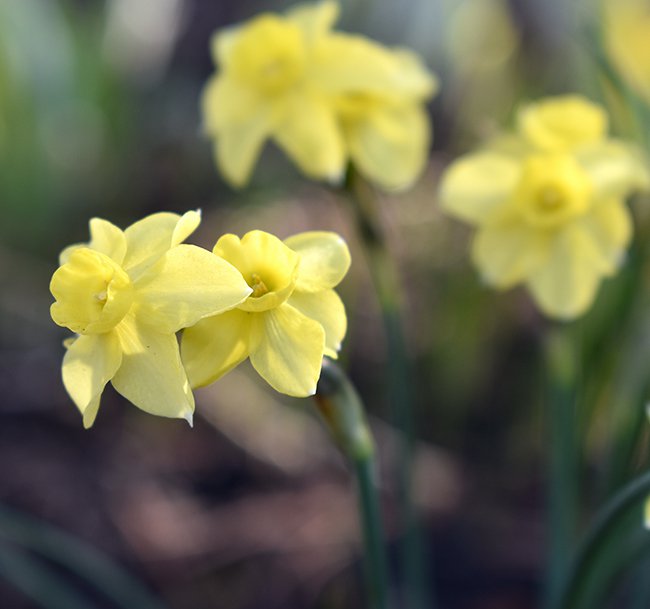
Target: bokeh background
253,508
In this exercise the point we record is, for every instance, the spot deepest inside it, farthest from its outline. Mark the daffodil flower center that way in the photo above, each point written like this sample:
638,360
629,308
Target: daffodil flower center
269,54
269,267
258,286
92,293
553,189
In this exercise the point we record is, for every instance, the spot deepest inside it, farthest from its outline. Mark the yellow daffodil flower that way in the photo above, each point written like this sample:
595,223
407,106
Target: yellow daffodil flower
126,294
549,204
289,321
626,25
386,129
322,96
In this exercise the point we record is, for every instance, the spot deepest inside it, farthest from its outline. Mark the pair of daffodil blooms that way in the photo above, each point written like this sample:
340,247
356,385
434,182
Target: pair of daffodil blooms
127,293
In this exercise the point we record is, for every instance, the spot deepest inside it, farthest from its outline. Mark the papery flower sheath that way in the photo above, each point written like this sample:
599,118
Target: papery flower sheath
290,320
549,203
324,97
126,294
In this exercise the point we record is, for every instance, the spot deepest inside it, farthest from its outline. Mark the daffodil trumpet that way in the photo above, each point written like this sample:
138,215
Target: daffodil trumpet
343,414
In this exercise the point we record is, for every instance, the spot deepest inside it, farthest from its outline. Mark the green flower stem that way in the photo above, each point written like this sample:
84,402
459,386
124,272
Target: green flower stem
564,463
387,286
342,411
600,538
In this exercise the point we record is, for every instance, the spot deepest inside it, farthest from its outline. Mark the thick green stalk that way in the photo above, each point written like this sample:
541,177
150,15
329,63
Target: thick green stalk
385,278
601,537
342,411
563,466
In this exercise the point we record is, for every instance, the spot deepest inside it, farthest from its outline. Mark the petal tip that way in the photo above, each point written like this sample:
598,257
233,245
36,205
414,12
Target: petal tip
189,417
334,178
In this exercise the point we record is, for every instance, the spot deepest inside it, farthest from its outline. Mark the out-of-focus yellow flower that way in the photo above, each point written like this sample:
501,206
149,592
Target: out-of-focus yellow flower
626,25
324,97
290,320
549,204
386,128
562,123
126,294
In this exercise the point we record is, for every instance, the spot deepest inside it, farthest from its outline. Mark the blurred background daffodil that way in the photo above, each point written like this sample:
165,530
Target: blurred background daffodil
549,203
324,97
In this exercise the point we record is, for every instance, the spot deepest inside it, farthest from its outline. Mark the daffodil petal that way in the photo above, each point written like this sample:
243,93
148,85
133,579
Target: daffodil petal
315,20
151,375
240,120
390,144
215,345
89,363
324,259
625,29
609,225
345,63
615,169
108,239
185,285
311,136
148,239
221,45
90,414
237,149
225,103
507,253
287,350
477,185
327,309
105,237
65,254
565,286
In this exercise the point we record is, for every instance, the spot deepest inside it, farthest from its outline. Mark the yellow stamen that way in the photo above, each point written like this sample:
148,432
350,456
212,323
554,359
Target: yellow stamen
550,197
259,287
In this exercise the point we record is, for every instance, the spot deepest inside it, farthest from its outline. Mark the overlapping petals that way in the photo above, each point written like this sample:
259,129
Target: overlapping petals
324,97
549,204
292,318
126,294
